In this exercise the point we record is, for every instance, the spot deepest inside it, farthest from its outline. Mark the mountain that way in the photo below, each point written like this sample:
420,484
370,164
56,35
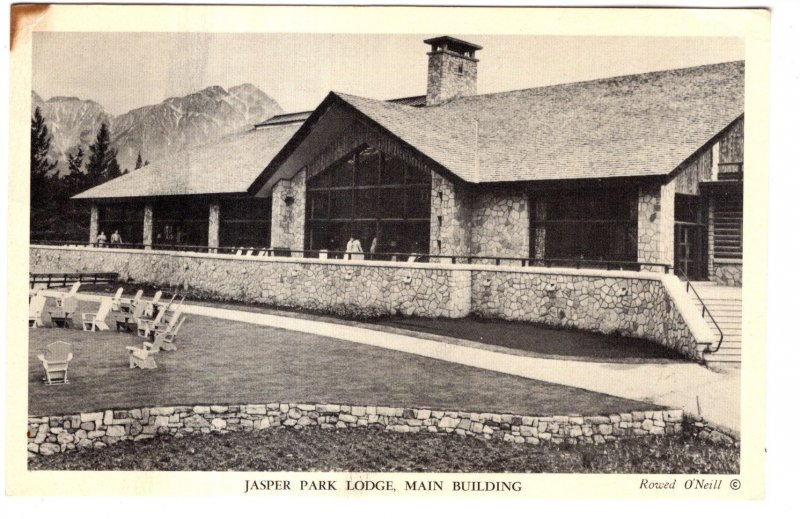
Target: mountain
156,130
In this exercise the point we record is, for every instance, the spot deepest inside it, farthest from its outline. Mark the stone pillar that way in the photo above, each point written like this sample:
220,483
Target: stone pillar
656,224
540,238
94,223
449,218
213,226
147,232
289,213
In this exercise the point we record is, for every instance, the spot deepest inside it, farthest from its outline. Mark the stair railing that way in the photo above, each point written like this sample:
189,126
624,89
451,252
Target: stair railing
705,311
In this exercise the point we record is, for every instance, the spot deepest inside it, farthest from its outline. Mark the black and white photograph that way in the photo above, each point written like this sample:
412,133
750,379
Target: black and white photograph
422,254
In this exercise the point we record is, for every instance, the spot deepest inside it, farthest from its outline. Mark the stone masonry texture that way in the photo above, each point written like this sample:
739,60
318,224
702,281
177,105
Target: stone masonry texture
605,302
49,435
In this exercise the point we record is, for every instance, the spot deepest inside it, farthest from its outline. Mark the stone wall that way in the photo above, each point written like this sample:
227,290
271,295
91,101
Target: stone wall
656,225
629,303
500,223
321,285
629,306
450,217
49,435
289,212
728,274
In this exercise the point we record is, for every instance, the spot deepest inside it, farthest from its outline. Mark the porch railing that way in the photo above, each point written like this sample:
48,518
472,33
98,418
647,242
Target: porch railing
415,257
705,310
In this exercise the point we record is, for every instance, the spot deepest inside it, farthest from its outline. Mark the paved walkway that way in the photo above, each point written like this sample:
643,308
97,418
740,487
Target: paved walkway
676,385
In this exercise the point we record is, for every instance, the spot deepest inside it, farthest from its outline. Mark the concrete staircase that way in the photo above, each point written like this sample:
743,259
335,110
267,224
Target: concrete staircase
725,304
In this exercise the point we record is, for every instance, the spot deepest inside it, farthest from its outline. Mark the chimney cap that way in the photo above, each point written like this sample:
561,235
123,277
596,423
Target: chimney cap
453,44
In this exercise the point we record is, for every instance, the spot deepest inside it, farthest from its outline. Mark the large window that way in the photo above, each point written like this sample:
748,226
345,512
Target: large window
728,212
126,218
371,196
245,222
587,225
180,223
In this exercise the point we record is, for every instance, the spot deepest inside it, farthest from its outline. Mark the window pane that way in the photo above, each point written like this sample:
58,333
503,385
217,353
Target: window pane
418,202
393,171
341,204
392,203
342,173
319,204
417,176
368,167
368,203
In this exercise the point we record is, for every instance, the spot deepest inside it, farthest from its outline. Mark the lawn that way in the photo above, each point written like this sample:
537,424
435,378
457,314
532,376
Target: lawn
370,450
526,338
220,361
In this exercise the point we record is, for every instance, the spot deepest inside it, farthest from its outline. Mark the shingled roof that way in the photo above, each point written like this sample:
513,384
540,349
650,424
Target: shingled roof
637,125
229,166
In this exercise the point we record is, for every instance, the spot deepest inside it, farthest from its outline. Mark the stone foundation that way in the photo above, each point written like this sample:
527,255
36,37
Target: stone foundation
53,434
728,274
632,304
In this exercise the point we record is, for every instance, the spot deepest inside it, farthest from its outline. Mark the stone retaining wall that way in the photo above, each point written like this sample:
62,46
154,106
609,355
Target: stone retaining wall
627,306
52,434
728,274
627,303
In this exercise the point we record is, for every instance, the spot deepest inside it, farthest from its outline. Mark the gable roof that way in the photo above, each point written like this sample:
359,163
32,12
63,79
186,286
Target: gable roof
638,125
226,167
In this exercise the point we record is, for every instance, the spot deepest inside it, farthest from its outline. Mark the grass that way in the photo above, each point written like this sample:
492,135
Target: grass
371,450
528,338
220,361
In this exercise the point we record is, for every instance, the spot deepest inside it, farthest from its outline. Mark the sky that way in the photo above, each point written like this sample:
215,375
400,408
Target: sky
123,71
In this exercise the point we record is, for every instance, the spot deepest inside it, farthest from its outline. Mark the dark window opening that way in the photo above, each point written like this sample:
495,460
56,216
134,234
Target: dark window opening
180,223
126,219
585,225
728,219
245,222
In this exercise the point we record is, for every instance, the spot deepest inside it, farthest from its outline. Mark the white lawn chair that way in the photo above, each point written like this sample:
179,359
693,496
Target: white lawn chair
149,308
162,324
35,311
145,326
55,361
127,305
116,300
142,358
165,339
238,252
62,315
126,320
92,322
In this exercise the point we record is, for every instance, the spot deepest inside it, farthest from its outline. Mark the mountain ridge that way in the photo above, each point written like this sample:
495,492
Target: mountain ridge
156,130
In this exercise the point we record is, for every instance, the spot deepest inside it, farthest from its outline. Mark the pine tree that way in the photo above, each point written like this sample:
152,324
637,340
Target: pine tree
42,200
102,164
139,162
76,179
41,166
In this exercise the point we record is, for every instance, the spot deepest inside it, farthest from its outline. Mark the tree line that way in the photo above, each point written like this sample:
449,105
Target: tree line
54,216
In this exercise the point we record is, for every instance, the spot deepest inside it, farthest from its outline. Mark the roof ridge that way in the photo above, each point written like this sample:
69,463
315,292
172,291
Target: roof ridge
586,81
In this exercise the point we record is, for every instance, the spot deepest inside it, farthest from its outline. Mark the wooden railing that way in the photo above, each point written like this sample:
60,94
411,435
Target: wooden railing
61,279
411,257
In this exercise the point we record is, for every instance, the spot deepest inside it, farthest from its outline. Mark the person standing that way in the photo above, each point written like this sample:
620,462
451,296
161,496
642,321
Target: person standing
101,239
354,248
373,248
116,239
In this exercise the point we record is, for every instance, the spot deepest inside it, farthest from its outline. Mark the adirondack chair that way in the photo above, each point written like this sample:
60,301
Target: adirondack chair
92,322
169,319
62,314
116,300
165,339
142,358
145,326
126,321
150,307
35,311
128,305
55,361
249,252
262,252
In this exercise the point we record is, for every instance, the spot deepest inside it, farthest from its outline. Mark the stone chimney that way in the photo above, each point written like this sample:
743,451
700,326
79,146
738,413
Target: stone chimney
452,69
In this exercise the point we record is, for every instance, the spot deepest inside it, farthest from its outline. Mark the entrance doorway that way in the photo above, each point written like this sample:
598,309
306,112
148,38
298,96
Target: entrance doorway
691,238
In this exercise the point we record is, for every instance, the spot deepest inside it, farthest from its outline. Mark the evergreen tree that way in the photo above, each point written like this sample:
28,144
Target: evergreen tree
76,179
102,164
139,162
42,179
41,165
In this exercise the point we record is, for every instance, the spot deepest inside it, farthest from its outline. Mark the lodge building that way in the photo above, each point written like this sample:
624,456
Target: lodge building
642,170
